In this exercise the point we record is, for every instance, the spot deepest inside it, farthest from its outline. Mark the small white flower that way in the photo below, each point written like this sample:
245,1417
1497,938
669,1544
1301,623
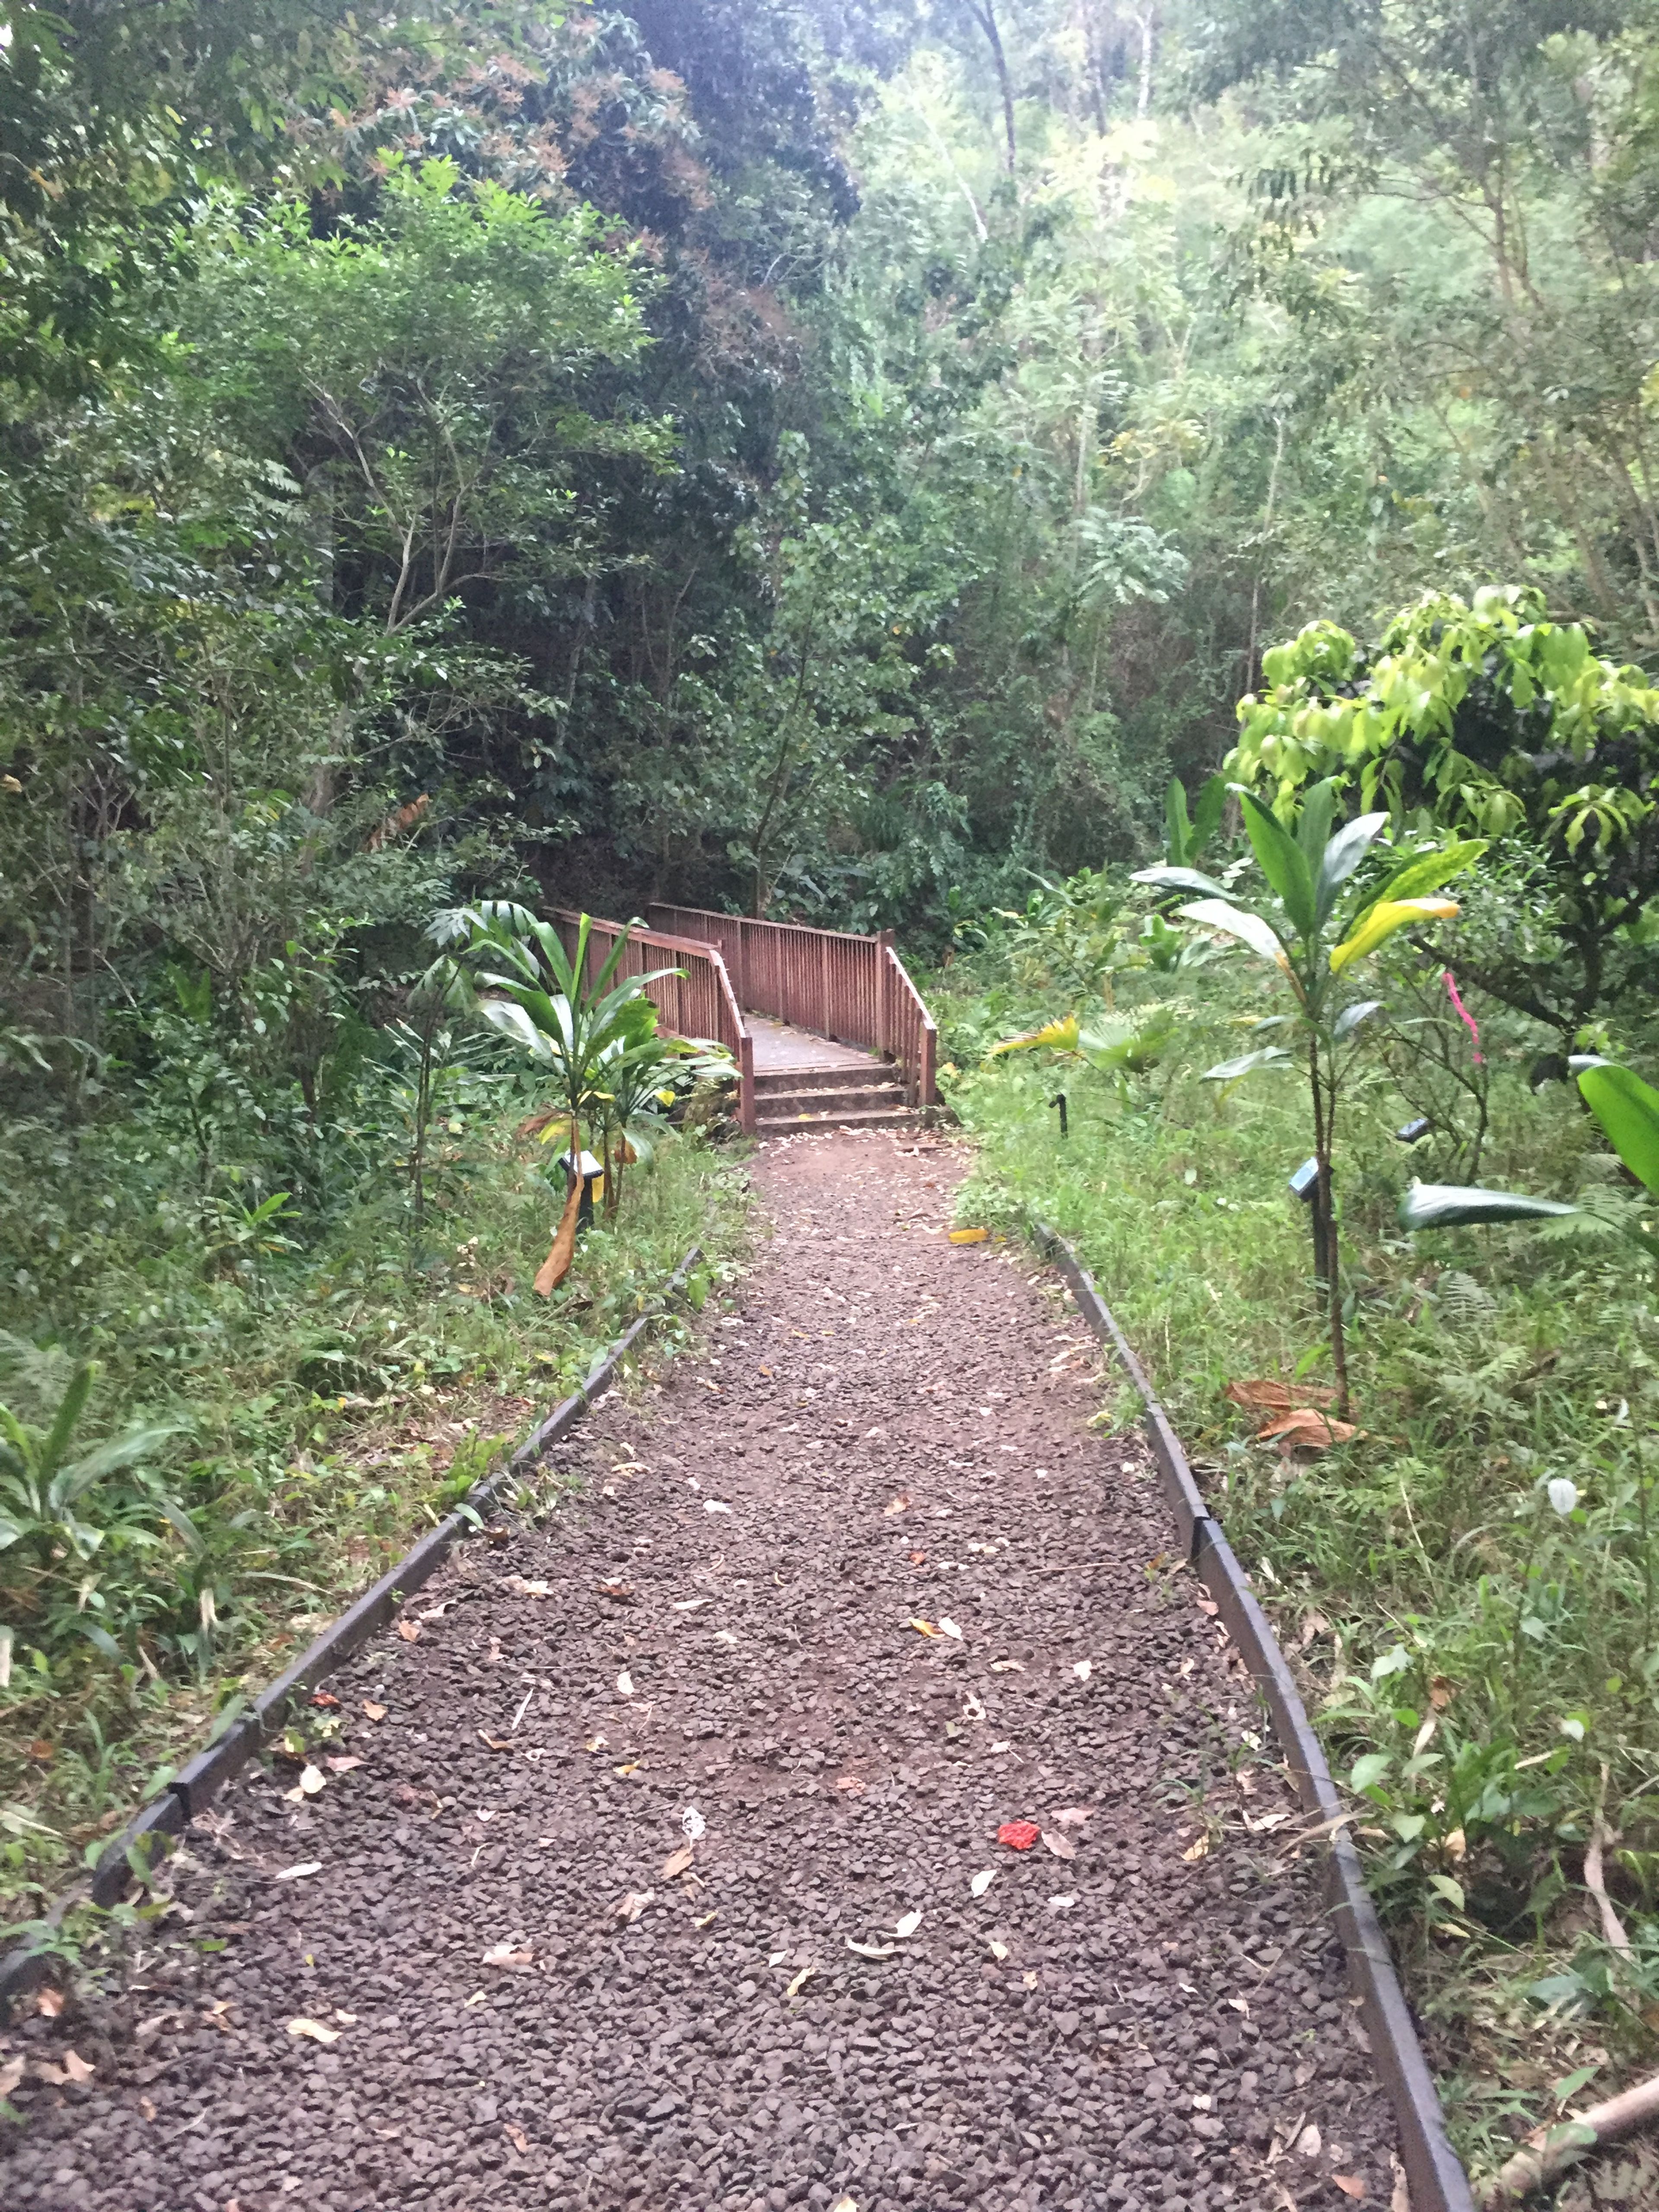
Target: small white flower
1563,1494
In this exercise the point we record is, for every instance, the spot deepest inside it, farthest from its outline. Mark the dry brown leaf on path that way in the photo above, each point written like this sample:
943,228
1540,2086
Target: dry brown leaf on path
800,1981
1083,1668
50,2002
923,1627
326,1700
76,2068
494,1742
899,1504
850,1782
1073,1816
1269,1395
526,1589
630,1908
908,1926
1349,2184
947,1627
313,2031
1061,1846
517,2138
10,2074
410,1631
344,1763
1196,1852
622,1592
296,1873
376,1712
870,1950
678,1861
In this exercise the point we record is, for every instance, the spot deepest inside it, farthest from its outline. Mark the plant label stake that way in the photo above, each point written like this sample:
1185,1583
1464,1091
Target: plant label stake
1059,1099
1304,1185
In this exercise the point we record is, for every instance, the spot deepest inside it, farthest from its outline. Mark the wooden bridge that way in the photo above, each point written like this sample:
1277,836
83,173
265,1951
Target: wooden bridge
825,1028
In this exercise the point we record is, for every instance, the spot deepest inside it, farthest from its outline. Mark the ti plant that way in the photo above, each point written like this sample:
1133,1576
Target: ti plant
1628,1111
1315,931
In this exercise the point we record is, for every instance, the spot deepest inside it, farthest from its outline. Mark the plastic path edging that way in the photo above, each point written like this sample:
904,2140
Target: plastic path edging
1434,2174
153,1832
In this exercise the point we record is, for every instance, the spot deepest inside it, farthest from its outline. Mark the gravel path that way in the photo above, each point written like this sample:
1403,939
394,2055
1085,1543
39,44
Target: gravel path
525,1991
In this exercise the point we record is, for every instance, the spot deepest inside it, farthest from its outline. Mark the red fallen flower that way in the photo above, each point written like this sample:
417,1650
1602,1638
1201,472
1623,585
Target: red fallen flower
1018,1835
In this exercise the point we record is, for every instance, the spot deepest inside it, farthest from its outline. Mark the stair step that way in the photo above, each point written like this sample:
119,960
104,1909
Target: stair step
768,1082
881,1117
780,1104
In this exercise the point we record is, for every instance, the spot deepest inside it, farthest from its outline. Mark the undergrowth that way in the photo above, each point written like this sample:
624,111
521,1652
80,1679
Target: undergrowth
1468,1587
329,1401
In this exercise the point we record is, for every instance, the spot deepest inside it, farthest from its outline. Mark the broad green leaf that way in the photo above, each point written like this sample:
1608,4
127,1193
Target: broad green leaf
1313,823
1369,1769
1206,815
1178,829
1628,1109
1229,1070
1425,874
1181,879
1351,1016
1282,862
1455,1206
1380,922
1342,856
507,1016
1250,928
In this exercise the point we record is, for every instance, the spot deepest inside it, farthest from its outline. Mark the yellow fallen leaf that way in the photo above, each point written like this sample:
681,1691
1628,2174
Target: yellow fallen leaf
969,1235
924,1627
314,2030
376,1712
800,1981
1200,1850
410,1631
1349,2184
707,1919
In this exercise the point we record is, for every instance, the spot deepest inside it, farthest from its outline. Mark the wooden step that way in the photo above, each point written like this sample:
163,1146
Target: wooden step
784,1105
769,1081
832,1117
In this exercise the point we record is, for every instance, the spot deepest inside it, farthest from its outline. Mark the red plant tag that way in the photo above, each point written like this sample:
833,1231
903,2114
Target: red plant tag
1018,1835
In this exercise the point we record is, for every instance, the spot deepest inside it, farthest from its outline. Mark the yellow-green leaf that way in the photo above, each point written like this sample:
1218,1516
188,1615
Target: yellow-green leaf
1061,1034
1382,922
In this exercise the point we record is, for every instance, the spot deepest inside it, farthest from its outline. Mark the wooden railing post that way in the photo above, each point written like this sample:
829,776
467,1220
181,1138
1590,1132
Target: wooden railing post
885,955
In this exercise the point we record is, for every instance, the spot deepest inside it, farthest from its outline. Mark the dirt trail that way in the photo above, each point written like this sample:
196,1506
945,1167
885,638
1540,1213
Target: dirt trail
719,1617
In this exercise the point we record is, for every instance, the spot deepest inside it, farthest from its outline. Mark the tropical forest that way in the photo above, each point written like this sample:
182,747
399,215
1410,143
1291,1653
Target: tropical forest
1131,527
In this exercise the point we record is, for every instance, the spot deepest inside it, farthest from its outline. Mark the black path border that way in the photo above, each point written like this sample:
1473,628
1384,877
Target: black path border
152,1833
1433,2172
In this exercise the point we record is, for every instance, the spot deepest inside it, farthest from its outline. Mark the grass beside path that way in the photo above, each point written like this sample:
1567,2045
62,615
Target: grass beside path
1476,1642
333,1405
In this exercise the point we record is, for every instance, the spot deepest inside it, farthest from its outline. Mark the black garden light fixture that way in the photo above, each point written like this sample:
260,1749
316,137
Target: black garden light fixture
1059,1099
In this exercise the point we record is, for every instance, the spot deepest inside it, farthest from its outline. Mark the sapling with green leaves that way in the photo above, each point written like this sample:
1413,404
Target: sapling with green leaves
1313,932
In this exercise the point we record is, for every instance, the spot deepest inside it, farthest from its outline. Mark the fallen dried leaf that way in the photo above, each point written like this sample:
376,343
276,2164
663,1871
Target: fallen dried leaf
715,1505
294,1872
312,1782
1083,1668
1269,1396
899,1504
1305,1429
326,1698
870,1950
1006,1666
949,1628
1207,1604
969,1235
690,1604
843,2204
495,1742
1073,1816
850,1782
678,1861
908,1925
983,1881
1196,1852
436,1612
76,2067
1349,2184
408,1630
1440,1693
624,1684
800,1981
314,2030
505,1954
526,1589
343,1764
999,1951
376,1712
1061,1904
516,2136
49,2002
1018,1835
621,1591
1061,1846
633,1905
1308,2142
924,1627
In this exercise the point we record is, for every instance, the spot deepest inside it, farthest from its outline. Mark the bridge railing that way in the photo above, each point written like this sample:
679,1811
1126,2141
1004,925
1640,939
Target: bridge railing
698,1002
853,989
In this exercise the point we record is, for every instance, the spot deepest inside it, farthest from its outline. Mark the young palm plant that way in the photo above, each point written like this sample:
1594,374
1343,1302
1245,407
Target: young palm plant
1315,931
574,1029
